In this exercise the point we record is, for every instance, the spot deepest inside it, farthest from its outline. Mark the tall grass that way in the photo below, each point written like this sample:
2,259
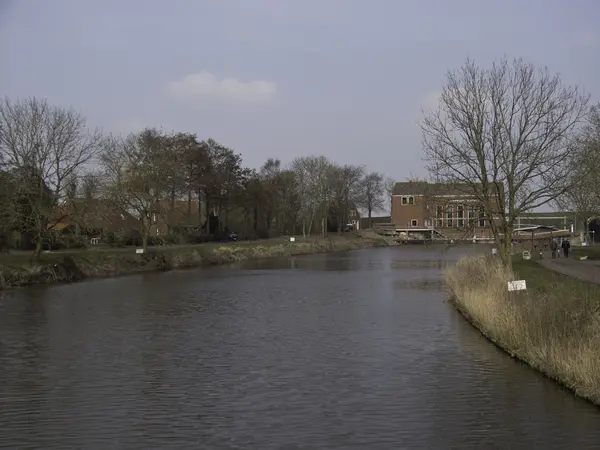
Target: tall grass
554,326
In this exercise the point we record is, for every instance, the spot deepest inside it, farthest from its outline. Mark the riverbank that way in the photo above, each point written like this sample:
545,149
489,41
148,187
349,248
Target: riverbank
56,267
554,326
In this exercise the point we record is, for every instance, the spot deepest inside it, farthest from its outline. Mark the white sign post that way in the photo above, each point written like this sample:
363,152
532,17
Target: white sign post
139,250
292,239
518,285
494,251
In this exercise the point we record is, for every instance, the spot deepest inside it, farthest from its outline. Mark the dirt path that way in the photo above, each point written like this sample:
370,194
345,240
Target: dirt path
584,270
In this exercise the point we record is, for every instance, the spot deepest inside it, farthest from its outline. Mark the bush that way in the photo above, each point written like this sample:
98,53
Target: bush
66,242
554,326
118,238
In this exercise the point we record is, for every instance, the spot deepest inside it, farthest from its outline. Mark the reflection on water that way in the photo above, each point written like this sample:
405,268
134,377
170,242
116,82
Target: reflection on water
423,284
348,350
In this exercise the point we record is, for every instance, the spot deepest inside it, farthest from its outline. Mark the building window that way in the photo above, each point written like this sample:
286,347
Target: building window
428,223
408,200
481,218
449,215
460,216
414,223
439,216
352,213
470,216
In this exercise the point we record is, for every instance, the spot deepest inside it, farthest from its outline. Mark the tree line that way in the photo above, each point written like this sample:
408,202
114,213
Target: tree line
49,157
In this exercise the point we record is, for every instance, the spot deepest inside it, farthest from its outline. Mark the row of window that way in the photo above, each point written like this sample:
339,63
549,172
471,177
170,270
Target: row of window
455,215
408,200
448,222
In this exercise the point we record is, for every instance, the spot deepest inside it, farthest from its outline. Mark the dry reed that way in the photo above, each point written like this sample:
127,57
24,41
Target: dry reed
554,326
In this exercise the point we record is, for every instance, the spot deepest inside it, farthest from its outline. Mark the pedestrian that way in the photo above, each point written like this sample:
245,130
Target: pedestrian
566,246
553,248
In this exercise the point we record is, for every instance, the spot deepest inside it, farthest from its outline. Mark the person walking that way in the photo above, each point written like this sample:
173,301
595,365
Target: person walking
566,246
553,248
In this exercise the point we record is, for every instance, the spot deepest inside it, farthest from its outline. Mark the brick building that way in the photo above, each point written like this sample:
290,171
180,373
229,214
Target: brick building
451,209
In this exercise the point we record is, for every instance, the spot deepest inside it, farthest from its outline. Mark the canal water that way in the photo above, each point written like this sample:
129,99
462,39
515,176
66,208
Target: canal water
355,350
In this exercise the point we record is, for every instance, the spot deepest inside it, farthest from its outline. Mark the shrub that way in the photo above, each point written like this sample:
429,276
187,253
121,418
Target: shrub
67,242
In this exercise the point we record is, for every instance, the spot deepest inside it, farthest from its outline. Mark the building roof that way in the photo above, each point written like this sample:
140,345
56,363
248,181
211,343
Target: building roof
426,188
91,213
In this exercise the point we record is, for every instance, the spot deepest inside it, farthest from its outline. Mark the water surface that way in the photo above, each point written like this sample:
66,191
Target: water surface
331,351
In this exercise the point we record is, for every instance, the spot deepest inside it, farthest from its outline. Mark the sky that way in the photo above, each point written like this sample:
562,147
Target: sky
347,79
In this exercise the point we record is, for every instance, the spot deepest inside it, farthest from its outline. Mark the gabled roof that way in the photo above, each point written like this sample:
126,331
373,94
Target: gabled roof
93,213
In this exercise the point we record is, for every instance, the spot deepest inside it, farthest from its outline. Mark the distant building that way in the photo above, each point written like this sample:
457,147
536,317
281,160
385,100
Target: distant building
179,216
354,218
451,209
93,217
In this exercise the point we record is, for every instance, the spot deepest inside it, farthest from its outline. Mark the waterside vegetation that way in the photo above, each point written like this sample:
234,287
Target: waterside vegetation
55,267
554,326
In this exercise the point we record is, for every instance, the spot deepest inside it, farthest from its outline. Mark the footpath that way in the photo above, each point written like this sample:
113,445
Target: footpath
586,270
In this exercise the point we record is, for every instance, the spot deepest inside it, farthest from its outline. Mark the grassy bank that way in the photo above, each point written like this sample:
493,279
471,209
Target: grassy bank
54,267
554,326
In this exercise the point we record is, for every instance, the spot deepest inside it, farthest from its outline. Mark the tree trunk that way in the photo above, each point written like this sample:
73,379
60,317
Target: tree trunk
370,224
145,234
505,249
172,207
38,248
255,220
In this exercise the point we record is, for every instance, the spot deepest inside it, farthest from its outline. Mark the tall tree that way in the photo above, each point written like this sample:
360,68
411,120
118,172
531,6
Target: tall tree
388,186
346,191
583,198
506,134
372,193
135,175
46,146
313,181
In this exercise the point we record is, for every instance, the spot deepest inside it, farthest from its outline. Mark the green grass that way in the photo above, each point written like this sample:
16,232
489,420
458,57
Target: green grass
592,252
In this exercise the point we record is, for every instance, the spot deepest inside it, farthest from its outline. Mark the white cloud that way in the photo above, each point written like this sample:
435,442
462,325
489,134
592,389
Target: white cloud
205,85
587,38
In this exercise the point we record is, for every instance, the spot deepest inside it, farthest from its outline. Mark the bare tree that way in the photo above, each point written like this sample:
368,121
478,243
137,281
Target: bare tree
45,147
91,185
134,170
345,191
313,187
506,134
583,198
372,194
388,186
